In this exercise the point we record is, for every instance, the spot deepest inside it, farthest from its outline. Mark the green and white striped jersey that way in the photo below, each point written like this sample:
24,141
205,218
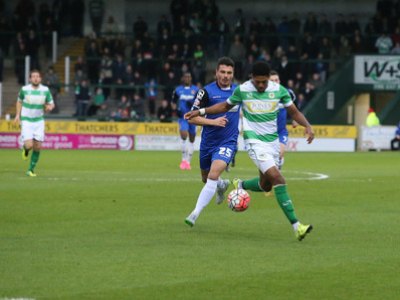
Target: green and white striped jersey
260,110
33,101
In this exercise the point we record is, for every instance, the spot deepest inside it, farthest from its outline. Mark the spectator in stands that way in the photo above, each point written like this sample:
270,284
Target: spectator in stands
163,43
222,31
325,26
140,27
138,110
178,8
82,96
340,25
395,143
284,69
52,81
301,101
358,44
25,9
163,26
239,24
104,112
96,13
270,30
308,91
164,112
139,81
151,95
32,49
344,50
311,24
316,80
118,73
199,64
237,52
299,82
111,28
47,35
79,76
93,62
97,101
294,28
321,67
283,31
129,81
352,24
384,43
106,71
80,64
247,68
20,53
123,111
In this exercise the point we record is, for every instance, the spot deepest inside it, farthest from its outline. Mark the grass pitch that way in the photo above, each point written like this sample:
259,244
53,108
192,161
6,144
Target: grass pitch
109,225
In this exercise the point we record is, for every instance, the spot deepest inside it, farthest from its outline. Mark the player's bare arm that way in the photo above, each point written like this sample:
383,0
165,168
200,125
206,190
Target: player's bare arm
298,116
18,112
221,121
49,107
212,110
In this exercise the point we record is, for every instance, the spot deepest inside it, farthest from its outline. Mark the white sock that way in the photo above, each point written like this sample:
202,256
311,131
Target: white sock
281,162
184,149
220,182
206,194
295,225
190,151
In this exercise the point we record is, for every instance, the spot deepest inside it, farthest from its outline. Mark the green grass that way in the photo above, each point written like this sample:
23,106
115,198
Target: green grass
109,225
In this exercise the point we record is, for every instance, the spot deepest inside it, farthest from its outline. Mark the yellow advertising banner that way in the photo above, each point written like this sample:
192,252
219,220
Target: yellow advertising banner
130,128
122,128
326,131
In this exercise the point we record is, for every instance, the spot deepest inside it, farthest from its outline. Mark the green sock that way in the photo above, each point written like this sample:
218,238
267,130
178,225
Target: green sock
34,160
285,203
252,185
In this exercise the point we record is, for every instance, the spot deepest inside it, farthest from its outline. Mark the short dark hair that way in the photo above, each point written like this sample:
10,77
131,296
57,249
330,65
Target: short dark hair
273,72
34,71
261,68
226,61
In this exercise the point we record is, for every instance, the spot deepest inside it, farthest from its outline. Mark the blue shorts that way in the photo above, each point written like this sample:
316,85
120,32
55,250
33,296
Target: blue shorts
185,126
224,152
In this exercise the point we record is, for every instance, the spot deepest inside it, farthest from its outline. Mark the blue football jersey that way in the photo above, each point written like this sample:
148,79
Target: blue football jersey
184,97
214,136
282,120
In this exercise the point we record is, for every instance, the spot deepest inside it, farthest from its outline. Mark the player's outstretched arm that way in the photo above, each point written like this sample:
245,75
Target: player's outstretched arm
296,115
211,110
221,121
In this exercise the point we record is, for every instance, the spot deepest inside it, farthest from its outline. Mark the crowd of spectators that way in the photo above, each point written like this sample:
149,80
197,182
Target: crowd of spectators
133,71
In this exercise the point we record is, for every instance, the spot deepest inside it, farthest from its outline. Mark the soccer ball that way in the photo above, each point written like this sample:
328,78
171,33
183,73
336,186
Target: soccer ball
238,200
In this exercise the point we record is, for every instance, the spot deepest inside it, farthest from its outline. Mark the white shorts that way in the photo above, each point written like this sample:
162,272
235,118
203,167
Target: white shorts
265,155
32,131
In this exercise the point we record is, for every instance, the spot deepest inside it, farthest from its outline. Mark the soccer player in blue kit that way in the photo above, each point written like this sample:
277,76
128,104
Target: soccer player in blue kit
218,138
282,118
183,98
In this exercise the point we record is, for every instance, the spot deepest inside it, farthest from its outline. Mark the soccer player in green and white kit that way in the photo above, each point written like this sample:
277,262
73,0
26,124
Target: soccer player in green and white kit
33,99
260,100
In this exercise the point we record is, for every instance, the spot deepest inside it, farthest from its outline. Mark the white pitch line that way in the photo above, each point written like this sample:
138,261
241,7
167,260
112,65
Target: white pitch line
311,176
